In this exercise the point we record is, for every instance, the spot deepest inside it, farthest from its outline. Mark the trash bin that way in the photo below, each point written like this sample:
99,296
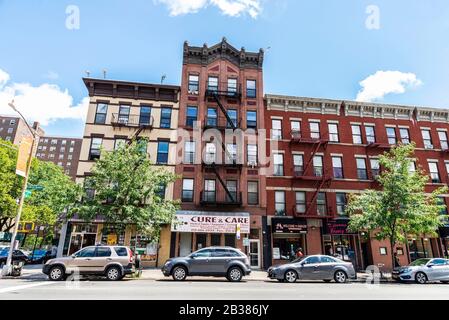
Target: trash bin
16,270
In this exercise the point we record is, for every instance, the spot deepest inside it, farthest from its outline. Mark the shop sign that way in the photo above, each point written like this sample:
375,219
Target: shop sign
205,223
112,239
337,227
276,253
289,225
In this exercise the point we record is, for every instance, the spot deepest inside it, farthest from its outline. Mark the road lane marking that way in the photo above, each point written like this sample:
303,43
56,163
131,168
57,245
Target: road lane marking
25,286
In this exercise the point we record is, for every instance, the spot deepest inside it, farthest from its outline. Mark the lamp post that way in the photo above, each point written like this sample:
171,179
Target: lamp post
7,269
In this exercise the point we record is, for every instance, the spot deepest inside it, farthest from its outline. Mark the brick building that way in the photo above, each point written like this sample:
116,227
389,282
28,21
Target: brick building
62,151
328,149
13,129
221,188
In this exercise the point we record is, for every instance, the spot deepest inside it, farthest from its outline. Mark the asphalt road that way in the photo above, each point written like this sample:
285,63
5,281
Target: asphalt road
213,289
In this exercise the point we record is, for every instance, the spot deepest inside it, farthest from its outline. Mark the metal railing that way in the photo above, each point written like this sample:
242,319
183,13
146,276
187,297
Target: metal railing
132,120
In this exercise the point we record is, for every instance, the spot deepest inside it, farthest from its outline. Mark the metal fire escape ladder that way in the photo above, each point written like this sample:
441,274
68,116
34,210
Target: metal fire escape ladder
309,162
320,185
136,134
214,168
223,109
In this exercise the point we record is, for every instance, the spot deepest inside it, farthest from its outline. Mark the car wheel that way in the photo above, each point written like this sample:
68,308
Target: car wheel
179,273
56,273
291,276
235,274
421,278
340,276
327,280
114,273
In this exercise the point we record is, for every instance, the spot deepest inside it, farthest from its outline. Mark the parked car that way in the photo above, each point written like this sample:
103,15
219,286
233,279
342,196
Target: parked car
423,270
17,255
314,267
213,261
113,262
40,256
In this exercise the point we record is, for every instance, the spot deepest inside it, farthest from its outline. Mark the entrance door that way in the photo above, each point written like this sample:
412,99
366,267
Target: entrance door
254,253
185,244
81,240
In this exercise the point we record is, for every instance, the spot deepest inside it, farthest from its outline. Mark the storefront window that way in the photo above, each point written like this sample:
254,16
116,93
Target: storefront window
215,239
286,248
201,240
420,248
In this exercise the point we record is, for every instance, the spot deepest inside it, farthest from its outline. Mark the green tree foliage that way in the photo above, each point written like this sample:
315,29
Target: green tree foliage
402,206
126,186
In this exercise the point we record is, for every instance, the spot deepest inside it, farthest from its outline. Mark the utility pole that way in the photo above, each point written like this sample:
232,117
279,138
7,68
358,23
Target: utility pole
7,268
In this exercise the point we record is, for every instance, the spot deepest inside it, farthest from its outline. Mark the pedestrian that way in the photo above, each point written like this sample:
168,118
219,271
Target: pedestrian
396,260
299,253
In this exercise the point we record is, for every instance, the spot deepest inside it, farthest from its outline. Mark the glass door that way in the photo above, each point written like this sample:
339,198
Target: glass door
254,253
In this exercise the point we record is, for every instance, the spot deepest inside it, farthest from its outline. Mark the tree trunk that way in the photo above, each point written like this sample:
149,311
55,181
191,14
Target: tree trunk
392,242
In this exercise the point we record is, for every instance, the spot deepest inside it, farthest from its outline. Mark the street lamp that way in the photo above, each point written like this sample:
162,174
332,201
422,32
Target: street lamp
7,269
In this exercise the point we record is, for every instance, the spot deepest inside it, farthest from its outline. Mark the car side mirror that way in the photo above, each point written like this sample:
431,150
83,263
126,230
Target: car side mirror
73,256
429,265
193,256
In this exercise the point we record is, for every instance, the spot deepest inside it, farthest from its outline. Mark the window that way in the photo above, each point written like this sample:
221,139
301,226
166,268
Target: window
88,252
193,84
279,203
375,168
253,192
189,152
391,135
300,202
103,252
405,136
356,134
232,113
145,116
187,190
12,122
60,164
211,117
62,149
252,154
100,116
212,83
231,153
39,147
278,160
211,153
72,143
8,138
165,118
94,148
121,251
276,129
298,165
337,167
118,142
44,148
54,141
321,204
442,135
64,142
68,164
341,204
433,169
61,156
318,166
314,130
251,119
427,139
250,88
123,114
412,167
192,116
162,152
69,157
232,85
361,169
52,149
45,140
232,188
10,130
296,129
52,156
333,132
209,191
370,134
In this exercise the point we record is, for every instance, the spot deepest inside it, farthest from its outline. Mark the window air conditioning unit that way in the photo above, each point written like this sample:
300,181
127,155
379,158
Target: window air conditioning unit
193,92
252,164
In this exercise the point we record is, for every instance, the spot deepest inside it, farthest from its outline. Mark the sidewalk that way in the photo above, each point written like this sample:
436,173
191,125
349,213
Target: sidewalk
34,272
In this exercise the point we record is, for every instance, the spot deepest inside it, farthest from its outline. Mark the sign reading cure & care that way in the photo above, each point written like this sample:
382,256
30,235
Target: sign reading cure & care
211,222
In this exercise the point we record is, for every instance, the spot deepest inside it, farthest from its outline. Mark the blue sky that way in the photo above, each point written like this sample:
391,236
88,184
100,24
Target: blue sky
319,48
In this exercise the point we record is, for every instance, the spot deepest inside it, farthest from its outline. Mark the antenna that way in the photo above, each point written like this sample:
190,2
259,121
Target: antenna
87,73
104,73
164,76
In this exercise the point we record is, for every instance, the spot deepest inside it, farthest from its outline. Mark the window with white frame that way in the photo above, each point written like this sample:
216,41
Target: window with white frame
375,168
341,204
433,170
370,134
295,126
211,153
356,134
337,167
314,129
298,165
276,129
279,203
442,135
318,166
189,152
300,202
278,160
333,132
361,168
252,154
427,139
391,135
321,205
405,135
187,190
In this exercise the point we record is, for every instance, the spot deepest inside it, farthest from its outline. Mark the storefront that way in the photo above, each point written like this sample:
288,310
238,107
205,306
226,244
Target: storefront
339,242
444,236
288,236
193,230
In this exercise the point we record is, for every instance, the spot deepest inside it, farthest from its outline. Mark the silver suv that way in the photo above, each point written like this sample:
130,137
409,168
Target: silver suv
213,261
113,262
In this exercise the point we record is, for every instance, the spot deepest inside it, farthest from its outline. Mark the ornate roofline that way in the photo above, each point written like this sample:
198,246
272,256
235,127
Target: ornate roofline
205,55
355,108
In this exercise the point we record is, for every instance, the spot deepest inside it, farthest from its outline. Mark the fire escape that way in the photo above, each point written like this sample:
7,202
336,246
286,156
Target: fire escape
231,160
139,123
318,177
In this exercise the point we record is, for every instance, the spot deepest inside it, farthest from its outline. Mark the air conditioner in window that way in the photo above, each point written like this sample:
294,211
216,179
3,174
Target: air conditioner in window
193,92
252,164
429,146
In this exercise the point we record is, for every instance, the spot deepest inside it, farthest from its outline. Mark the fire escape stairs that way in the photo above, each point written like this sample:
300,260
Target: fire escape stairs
223,184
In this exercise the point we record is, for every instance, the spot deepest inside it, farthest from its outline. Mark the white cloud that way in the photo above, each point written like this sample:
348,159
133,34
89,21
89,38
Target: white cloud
45,103
377,85
4,77
233,8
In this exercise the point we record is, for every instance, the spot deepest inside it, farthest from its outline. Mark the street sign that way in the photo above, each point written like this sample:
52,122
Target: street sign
27,193
22,157
35,187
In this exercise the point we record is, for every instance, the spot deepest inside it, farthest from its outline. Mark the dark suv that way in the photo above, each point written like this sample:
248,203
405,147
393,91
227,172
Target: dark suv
213,261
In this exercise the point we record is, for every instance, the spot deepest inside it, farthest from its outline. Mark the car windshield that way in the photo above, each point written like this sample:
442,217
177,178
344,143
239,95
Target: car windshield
419,262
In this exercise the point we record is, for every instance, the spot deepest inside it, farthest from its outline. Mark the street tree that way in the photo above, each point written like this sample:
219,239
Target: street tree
124,188
402,206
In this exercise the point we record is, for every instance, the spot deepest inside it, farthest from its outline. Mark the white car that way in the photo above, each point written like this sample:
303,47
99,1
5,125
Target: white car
423,270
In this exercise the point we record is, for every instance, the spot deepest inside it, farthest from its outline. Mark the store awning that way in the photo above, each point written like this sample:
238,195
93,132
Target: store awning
210,222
